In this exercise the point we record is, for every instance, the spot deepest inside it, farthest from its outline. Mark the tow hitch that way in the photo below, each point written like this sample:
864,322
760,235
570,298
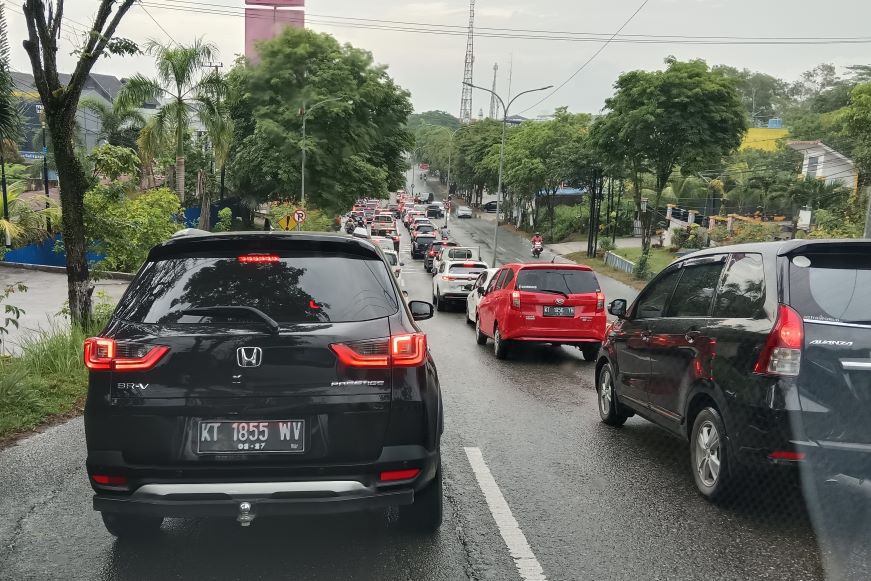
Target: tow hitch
246,517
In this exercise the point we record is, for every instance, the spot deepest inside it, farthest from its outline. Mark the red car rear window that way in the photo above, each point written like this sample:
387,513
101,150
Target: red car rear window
564,280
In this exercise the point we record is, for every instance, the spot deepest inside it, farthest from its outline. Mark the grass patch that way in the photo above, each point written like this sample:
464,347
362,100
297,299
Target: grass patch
599,265
48,380
659,257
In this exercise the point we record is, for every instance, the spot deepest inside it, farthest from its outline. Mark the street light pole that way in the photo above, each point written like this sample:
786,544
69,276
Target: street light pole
502,152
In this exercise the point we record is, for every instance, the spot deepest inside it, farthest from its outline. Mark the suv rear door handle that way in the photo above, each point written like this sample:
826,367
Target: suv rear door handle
692,335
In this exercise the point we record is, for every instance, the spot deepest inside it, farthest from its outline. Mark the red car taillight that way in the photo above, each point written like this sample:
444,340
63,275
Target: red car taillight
101,354
397,351
600,302
394,475
431,253
782,352
515,299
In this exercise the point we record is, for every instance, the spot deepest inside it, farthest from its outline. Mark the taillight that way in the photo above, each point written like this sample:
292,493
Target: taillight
431,252
600,303
394,475
782,352
515,299
787,455
396,351
448,277
109,480
101,354
259,258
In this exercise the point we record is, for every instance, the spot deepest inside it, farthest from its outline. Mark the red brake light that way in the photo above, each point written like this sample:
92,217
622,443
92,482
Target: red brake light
600,302
431,253
393,475
786,455
397,351
101,355
782,352
515,299
448,277
258,258
107,480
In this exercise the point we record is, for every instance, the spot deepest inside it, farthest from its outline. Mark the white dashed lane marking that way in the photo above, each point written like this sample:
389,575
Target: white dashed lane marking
527,565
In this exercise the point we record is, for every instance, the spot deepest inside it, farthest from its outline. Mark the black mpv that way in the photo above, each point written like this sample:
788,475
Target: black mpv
757,354
248,375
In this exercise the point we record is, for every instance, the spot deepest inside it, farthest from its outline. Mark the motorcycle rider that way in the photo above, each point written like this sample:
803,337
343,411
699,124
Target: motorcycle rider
537,244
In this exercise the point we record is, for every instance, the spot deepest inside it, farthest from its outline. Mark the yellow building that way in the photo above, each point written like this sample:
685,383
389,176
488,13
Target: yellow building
764,138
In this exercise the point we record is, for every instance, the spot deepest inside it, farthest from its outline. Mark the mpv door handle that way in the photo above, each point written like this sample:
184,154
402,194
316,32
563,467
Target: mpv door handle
645,335
692,335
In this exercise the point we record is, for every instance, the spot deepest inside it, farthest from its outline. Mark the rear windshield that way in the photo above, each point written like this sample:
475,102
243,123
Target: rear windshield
424,240
831,287
391,259
380,218
568,281
462,269
296,289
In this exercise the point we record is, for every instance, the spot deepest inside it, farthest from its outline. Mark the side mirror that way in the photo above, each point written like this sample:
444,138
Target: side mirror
618,308
401,264
482,291
420,310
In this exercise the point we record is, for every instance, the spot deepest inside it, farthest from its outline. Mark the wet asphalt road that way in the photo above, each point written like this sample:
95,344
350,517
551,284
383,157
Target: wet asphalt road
593,502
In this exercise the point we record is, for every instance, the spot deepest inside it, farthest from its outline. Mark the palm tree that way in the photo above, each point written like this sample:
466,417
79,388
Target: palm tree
150,143
813,193
28,217
216,118
10,116
181,83
119,122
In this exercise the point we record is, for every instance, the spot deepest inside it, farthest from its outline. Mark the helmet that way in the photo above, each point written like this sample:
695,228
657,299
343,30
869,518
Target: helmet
537,234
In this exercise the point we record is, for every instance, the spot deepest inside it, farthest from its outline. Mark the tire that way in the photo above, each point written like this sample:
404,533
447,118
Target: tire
609,409
500,346
709,455
480,337
439,301
129,526
425,515
590,351
469,320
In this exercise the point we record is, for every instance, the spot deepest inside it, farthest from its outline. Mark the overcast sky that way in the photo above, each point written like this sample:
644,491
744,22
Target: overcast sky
431,65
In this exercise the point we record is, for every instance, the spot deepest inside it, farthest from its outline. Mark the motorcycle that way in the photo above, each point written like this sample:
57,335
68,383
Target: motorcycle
537,248
349,227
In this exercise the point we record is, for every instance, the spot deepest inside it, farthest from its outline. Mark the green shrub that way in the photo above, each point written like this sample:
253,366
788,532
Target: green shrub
123,230
567,220
689,237
605,244
642,267
754,232
225,220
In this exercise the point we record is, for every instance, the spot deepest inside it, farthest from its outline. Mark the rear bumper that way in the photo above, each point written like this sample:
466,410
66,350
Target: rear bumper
198,500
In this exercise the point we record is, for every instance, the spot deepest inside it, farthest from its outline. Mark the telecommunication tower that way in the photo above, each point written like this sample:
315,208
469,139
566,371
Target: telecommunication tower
493,110
466,99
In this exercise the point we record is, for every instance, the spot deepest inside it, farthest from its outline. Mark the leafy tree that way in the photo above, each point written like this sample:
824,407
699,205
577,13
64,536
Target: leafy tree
180,81
437,118
683,116
813,193
10,117
60,104
355,144
856,119
473,144
760,93
123,230
215,116
112,161
119,123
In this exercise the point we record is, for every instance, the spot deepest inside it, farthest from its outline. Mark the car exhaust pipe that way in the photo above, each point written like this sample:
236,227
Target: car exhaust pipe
246,517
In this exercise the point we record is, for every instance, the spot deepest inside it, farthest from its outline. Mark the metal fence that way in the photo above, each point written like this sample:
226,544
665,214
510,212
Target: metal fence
619,262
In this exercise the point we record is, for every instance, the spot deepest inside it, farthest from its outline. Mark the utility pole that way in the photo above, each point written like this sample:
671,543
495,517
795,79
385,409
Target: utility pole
466,96
493,111
5,195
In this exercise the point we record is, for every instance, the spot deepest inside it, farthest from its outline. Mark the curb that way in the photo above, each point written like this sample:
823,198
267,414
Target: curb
63,270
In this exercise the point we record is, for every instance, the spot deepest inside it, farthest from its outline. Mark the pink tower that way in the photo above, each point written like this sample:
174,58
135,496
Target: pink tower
268,20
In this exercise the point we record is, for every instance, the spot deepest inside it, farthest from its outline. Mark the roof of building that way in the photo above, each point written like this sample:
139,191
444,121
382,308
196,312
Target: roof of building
108,86
803,145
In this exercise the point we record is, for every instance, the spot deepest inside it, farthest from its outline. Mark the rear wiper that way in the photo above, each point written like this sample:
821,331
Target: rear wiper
231,311
551,291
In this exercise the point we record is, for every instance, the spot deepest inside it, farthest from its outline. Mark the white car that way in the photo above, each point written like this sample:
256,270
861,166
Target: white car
386,244
454,281
393,261
454,254
475,297
464,212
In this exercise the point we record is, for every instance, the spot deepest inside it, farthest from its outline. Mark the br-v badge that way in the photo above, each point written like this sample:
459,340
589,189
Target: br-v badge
249,356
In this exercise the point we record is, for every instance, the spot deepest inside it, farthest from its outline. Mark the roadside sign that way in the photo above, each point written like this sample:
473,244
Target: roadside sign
299,216
287,223
423,167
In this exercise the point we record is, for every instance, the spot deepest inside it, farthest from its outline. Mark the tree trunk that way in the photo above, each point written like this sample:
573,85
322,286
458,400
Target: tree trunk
75,183
206,205
223,175
179,177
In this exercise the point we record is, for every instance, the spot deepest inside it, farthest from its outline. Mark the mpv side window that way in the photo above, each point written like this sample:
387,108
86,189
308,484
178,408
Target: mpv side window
741,294
508,278
495,281
656,295
694,292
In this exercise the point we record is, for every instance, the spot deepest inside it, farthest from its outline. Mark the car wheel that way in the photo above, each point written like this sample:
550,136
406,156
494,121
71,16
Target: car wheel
500,345
480,337
126,525
590,351
608,406
425,514
709,454
469,320
439,301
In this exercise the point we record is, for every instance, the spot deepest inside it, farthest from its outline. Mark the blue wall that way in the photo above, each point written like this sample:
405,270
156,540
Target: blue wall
43,254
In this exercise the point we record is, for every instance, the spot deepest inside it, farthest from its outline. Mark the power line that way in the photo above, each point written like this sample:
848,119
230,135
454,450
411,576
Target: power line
159,25
589,60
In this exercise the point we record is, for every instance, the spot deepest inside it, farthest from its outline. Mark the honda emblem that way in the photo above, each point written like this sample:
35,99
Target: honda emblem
249,356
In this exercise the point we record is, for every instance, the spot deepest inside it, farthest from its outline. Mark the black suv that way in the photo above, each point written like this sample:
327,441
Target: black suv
420,244
758,354
248,375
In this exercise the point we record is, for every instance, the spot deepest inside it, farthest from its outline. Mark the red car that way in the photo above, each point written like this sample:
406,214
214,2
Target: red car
542,303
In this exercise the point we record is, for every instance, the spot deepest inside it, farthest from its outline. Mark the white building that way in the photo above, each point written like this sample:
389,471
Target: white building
823,162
